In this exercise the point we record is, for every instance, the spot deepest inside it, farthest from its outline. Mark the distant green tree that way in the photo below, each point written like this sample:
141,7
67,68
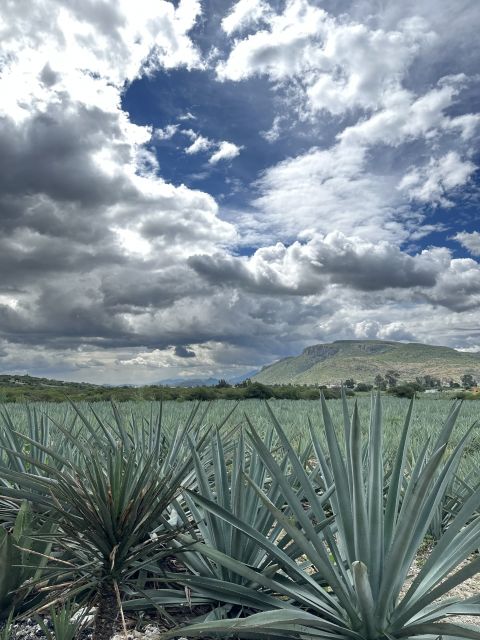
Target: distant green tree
429,382
391,378
244,383
468,381
349,383
406,390
363,387
380,382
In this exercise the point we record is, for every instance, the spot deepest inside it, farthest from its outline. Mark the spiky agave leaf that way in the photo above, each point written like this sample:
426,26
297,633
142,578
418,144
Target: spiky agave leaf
107,499
365,560
23,555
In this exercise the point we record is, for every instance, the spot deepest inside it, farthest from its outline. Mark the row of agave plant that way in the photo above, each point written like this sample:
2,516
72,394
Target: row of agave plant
255,537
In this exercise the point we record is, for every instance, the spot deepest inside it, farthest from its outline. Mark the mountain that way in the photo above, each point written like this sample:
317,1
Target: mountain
243,377
362,360
188,382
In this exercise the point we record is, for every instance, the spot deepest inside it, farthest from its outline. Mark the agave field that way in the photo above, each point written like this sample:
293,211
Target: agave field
293,519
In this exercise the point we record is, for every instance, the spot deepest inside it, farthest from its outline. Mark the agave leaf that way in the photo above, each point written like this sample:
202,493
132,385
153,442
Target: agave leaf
395,557
321,558
445,554
446,608
427,510
375,498
314,597
217,590
451,582
280,556
396,479
281,620
442,629
357,503
305,546
364,596
342,490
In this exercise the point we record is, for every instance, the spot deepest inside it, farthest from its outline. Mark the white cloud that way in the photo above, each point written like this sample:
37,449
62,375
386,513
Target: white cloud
226,151
326,190
406,117
244,13
474,349
471,241
113,41
342,64
187,116
200,143
273,133
279,51
430,183
347,186
80,193
166,133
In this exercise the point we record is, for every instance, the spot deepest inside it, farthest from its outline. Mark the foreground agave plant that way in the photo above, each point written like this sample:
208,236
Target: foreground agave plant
221,473
107,498
359,564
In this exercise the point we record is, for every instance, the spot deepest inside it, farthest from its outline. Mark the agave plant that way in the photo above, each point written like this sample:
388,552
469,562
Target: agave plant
221,476
457,493
110,499
361,560
22,557
66,622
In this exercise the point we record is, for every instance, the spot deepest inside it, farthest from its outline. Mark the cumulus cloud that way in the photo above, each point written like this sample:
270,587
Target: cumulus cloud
166,133
342,64
345,186
440,176
200,143
306,269
360,74
226,151
273,133
244,14
80,196
471,241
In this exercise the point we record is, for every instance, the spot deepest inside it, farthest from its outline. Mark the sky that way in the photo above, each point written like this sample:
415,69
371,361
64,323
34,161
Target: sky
199,188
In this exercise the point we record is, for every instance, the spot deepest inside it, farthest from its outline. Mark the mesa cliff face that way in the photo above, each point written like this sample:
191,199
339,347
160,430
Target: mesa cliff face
362,360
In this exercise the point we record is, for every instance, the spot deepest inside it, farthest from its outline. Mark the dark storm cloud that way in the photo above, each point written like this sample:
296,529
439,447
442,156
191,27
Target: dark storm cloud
375,268
62,315
51,154
134,289
309,268
226,271
182,352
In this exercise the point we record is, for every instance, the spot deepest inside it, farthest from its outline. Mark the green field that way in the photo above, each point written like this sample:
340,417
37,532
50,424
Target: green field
248,519
428,416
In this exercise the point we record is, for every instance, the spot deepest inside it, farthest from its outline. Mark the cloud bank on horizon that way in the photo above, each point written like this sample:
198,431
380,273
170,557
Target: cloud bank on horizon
203,187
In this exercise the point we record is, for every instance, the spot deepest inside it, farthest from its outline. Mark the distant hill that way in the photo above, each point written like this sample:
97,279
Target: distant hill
188,382
15,381
362,360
